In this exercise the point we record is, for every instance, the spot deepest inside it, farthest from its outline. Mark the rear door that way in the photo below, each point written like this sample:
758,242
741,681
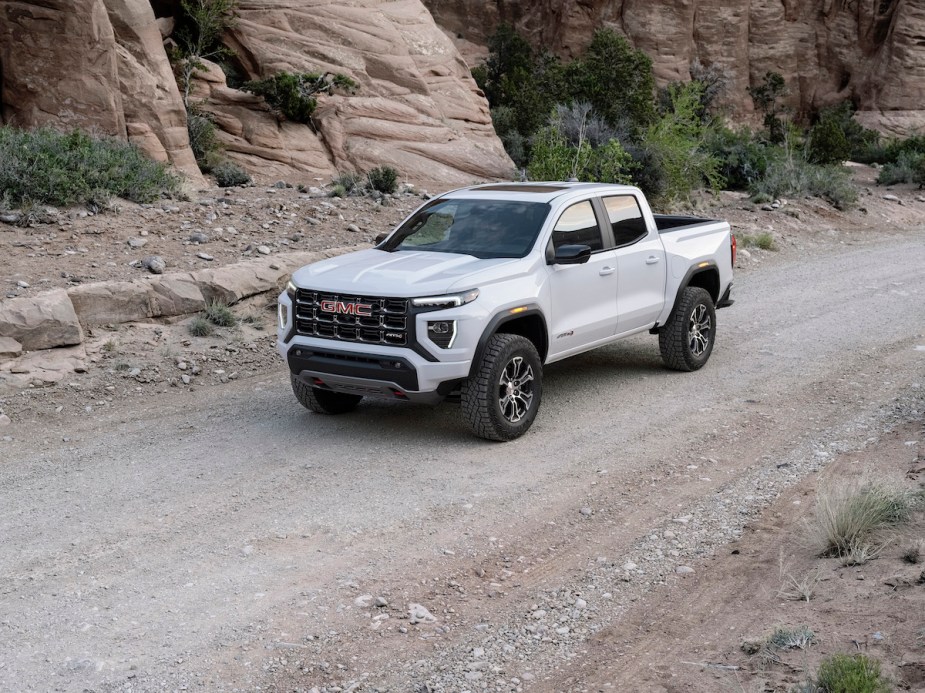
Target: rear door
583,298
641,264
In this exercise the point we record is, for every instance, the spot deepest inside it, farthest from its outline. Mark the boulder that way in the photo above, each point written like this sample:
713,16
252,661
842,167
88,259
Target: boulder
164,296
102,303
40,322
9,348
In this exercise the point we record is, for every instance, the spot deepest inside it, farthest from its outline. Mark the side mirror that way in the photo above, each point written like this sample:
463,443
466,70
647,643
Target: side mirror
381,237
572,255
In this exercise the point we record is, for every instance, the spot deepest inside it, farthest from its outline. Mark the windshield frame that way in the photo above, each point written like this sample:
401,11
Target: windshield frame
477,230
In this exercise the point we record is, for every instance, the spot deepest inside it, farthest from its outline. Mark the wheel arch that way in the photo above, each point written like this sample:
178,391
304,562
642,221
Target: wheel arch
527,322
705,276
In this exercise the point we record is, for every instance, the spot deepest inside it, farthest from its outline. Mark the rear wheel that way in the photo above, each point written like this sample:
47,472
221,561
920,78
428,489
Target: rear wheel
323,401
501,399
686,340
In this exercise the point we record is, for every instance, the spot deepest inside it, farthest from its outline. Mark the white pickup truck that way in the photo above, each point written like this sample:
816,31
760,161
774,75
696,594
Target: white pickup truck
479,288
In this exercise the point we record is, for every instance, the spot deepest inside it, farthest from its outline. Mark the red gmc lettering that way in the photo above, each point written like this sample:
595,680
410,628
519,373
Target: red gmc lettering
361,309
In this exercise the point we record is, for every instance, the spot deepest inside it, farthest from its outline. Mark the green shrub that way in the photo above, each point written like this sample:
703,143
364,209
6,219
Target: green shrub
202,139
851,674
347,183
384,179
201,327
849,515
555,157
827,143
789,174
228,174
677,138
743,159
862,143
220,314
292,95
515,78
55,168
764,240
907,168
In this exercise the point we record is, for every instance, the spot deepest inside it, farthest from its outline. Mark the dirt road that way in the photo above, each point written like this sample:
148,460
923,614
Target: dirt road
225,539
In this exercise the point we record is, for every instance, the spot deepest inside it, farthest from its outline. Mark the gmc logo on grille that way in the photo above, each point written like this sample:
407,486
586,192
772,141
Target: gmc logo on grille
361,309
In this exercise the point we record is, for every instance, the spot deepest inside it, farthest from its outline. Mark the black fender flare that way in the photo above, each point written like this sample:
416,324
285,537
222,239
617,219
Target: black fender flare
501,319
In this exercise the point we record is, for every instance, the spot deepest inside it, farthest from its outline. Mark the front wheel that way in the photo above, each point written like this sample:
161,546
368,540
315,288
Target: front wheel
321,401
500,400
686,340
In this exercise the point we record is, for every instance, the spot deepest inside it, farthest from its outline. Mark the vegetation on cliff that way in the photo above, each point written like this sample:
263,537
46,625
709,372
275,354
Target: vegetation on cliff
600,117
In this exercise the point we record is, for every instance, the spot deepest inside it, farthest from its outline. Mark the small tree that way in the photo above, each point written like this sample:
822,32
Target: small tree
827,143
616,79
200,26
765,96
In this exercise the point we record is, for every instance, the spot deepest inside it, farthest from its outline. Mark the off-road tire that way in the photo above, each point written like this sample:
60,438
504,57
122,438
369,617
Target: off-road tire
686,340
501,398
323,401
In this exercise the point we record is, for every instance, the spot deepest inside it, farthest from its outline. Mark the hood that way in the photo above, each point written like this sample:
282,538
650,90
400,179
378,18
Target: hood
402,273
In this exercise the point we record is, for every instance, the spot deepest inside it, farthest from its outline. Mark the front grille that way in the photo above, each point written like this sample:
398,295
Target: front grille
350,318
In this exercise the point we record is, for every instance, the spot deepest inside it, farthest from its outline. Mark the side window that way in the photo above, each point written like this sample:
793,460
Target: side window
578,226
625,218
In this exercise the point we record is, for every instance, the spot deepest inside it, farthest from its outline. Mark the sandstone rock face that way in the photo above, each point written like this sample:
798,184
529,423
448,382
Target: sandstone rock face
93,64
417,107
827,50
102,65
40,322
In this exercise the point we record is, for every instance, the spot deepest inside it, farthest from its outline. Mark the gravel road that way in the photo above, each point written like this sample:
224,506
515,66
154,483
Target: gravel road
225,539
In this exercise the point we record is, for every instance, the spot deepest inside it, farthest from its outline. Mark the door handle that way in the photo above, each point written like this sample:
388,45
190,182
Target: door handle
607,270
652,259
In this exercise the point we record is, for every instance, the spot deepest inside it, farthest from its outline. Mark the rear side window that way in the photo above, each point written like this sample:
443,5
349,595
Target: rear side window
625,218
578,226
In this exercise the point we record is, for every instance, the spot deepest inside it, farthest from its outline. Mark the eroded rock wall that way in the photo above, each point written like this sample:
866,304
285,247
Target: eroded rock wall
417,107
871,51
102,65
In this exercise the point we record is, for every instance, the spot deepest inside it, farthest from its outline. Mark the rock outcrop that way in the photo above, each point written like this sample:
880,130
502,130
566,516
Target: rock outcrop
102,65
417,107
827,50
94,64
40,322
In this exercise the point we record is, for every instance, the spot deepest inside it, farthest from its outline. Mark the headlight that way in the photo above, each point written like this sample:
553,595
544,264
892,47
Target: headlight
445,301
290,289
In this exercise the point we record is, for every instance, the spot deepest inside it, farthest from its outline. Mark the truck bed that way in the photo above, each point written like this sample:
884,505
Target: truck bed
666,223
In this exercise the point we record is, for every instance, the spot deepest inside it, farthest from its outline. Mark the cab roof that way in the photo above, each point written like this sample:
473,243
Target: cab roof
532,192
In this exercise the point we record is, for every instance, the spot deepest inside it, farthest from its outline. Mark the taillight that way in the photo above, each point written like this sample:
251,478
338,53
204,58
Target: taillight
732,242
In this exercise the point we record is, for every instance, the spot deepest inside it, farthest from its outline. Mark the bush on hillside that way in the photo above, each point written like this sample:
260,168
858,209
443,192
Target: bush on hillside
55,168
383,179
228,175
291,95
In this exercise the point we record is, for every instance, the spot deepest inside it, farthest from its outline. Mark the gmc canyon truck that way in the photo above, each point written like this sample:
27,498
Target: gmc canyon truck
479,288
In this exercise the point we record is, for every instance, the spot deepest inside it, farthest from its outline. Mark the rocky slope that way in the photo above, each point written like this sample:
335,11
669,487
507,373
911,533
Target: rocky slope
827,50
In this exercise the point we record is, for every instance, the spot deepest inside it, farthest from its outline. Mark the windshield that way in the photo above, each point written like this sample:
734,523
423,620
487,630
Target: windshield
481,228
